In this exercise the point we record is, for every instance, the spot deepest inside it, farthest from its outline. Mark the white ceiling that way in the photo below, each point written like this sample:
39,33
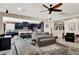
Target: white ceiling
33,9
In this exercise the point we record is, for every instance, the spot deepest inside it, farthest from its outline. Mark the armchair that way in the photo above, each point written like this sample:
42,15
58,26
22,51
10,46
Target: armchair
70,37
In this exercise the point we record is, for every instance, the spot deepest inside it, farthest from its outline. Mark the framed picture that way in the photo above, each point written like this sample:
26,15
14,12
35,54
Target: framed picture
55,26
60,27
63,27
72,26
78,25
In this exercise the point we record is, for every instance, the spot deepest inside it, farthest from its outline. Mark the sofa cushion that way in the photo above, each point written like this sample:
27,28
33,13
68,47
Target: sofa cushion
43,36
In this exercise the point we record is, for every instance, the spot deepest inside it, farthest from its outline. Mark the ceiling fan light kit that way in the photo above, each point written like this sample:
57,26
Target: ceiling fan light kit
6,11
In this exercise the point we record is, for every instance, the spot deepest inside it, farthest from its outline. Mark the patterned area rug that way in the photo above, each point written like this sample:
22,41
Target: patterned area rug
59,49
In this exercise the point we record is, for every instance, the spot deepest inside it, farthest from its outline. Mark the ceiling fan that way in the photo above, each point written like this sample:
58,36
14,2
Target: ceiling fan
54,8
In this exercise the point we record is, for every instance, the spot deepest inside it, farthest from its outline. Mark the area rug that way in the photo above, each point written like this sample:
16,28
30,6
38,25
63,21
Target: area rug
59,49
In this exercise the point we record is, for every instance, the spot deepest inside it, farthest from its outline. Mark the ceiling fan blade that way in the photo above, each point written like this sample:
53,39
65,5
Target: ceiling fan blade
58,5
57,10
45,6
44,11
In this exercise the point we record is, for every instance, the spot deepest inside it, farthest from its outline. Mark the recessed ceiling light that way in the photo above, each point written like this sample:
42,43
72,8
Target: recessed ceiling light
19,9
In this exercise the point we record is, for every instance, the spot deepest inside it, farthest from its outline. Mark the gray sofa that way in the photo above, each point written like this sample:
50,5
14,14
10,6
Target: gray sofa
44,39
24,47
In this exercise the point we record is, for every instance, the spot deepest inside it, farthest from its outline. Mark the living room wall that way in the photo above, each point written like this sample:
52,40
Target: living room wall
48,26
72,25
1,25
57,28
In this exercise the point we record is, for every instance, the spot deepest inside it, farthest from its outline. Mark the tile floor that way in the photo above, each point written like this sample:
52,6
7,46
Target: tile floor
64,48
70,44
